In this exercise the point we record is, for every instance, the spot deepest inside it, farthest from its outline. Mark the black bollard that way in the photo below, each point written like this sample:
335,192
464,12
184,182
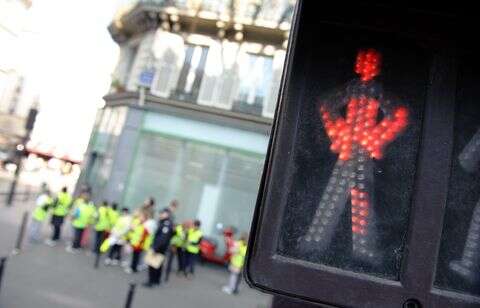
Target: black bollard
131,292
2,267
97,259
21,233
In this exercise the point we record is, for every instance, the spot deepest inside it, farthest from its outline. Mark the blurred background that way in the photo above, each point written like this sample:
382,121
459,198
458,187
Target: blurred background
172,99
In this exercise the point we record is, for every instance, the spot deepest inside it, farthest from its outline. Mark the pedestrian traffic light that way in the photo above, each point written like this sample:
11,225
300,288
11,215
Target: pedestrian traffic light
32,116
371,188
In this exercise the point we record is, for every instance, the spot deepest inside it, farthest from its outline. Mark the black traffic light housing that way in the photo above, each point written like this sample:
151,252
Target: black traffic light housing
371,183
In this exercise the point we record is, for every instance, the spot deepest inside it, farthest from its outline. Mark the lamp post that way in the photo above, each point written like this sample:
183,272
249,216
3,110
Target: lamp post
20,151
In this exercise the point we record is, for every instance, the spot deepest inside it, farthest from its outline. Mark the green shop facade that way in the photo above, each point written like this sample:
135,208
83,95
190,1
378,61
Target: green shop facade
210,160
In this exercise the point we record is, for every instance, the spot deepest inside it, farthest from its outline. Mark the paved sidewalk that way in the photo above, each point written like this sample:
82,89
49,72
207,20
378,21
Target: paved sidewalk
50,277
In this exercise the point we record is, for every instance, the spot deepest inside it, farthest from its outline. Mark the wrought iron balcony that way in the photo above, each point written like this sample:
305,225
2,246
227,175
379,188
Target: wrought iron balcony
256,20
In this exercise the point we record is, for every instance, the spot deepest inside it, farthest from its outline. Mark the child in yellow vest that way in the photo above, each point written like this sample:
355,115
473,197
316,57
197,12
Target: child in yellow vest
43,204
236,265
117,238
140,239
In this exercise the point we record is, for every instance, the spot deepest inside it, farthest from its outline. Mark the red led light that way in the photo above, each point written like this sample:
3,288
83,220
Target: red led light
363,130
368,64
358,138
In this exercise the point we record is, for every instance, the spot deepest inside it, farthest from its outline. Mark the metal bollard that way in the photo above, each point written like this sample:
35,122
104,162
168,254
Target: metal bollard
131,292
21,234
2,267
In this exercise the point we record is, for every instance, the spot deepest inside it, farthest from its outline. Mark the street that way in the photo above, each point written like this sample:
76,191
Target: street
41,276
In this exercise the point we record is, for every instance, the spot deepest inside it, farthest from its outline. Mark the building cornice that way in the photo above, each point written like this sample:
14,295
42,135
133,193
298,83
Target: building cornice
211,114
143,17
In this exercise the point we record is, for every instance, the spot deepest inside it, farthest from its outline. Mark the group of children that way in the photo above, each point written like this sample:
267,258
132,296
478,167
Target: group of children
117,232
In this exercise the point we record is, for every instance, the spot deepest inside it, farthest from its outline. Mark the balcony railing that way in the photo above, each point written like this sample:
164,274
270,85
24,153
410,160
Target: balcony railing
265,13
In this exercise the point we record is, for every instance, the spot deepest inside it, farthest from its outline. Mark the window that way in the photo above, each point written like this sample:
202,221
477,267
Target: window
214,184
255,83
191,74
104,146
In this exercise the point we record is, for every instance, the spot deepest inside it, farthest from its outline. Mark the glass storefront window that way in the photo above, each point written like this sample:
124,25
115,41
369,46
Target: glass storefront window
104,146
214,184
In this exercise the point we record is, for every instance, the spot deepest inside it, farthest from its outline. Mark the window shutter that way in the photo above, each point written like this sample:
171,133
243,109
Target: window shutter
169,50
271,99
227,88
143,58
211,77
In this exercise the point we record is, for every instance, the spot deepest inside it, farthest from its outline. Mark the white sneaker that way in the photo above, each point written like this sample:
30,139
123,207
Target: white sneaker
108,261
227,290
128,270
115,262
70,249
50,243
125,264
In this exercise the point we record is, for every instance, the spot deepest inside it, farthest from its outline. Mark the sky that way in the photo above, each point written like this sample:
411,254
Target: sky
68,58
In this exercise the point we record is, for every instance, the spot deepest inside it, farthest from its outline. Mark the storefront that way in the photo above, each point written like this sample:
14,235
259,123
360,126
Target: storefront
212,169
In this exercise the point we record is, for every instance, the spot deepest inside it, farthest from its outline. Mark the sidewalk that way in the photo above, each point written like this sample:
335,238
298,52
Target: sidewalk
44,277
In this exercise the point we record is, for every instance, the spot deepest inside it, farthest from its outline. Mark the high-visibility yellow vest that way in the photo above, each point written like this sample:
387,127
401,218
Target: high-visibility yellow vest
193,236
135,222
113,216
136,235
64,200
178,240
238,258
122,225
103,222
148,242
41,211
85,213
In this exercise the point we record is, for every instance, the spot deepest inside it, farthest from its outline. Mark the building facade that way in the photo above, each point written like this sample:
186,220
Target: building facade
14,103
190,109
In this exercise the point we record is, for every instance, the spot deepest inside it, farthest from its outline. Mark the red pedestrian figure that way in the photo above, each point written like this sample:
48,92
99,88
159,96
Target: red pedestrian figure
359,139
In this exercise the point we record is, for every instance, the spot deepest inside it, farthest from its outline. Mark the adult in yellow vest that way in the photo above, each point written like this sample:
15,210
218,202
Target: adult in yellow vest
177,249
113,215
192,247
61,208
102,225
236,265
40,213
82,216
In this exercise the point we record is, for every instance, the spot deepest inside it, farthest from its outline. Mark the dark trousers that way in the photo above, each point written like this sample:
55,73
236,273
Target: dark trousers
99,236
57,222
77,239
135,260
115,252
190,260
154,275
172,253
